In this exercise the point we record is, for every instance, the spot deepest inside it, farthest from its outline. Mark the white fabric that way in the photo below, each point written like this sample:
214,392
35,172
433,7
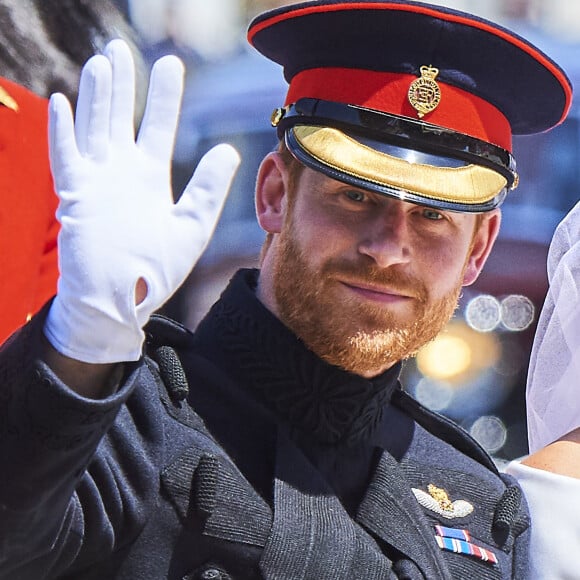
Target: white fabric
555,514
553,389
119,222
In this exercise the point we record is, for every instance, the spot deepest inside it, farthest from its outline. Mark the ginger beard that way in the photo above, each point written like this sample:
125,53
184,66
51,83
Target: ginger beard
357,336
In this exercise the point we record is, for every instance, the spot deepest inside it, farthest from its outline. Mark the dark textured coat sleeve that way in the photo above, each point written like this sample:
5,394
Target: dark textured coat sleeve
48,437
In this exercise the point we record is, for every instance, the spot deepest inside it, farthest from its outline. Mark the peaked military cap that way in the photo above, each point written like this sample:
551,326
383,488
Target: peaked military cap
409,99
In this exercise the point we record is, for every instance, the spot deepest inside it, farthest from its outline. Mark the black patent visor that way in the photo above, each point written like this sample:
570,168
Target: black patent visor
399,131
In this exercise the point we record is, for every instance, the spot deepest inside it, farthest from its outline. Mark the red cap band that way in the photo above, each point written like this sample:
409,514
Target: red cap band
384,91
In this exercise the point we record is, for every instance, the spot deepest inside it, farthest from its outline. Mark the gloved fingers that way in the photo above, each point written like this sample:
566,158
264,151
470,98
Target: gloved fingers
64,155
206,191
157,132
93,108
201,204
122,129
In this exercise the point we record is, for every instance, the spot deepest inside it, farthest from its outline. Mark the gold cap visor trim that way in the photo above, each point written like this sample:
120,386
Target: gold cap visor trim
468,184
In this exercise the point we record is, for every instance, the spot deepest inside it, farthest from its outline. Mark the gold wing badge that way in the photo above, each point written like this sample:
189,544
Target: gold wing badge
7,101
437,500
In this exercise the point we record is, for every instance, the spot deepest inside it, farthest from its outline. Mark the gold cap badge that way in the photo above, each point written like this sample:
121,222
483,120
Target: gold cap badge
424,93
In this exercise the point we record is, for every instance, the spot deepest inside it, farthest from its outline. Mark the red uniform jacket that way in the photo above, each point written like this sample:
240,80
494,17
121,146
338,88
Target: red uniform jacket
28,227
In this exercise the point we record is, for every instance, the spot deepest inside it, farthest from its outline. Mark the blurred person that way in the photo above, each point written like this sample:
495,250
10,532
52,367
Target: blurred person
43,47
198,32
276,442
46,42
28,226
553,409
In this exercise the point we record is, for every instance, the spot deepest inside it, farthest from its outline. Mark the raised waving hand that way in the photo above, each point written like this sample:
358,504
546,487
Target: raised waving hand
120,224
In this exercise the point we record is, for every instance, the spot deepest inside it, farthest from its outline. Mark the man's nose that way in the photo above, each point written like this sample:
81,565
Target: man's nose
386,238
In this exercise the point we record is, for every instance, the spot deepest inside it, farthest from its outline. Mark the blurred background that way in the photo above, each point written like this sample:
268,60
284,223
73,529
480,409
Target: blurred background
475,372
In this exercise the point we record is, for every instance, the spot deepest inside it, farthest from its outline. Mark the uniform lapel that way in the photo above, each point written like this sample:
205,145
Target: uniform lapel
312,535
390,511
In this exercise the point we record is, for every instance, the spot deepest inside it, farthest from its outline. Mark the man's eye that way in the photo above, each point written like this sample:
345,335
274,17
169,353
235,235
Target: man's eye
432,214
357,196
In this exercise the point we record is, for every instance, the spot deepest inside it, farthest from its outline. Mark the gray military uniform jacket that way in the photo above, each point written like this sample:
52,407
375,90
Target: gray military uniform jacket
234,452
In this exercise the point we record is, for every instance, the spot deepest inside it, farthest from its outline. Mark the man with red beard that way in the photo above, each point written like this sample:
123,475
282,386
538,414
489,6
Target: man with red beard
392,302
275,441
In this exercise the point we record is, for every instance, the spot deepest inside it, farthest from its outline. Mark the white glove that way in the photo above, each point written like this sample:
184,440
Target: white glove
119,222
553,389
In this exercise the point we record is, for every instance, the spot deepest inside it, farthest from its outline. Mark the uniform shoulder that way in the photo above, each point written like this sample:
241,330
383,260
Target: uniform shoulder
444,429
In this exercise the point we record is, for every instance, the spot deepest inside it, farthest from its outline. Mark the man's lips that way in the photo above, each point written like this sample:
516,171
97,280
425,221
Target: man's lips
378,293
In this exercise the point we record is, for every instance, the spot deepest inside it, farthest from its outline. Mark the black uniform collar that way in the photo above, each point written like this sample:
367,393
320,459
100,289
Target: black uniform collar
305,392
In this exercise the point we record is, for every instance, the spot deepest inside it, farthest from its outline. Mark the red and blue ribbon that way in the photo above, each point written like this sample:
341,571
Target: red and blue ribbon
459,541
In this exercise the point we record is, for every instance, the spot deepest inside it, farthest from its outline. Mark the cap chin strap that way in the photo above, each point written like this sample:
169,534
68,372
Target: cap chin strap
471,188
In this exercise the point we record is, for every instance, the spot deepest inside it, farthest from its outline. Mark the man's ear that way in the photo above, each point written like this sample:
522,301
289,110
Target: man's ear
271,188
483,241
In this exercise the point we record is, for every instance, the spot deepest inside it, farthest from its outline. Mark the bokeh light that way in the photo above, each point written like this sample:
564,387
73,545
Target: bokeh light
517,312
458,354
490,432
483,313
434,395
